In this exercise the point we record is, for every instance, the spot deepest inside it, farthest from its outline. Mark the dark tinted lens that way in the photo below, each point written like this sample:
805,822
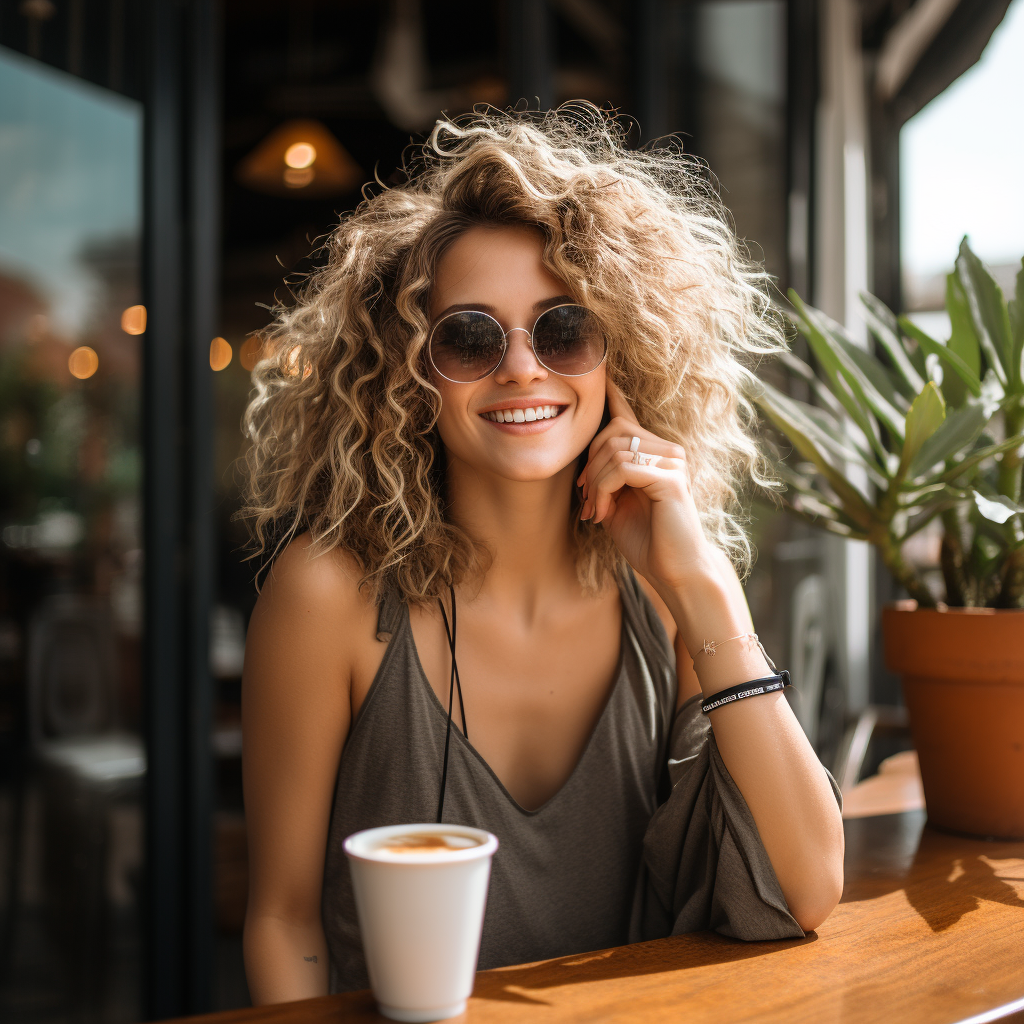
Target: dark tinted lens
569,340
466,346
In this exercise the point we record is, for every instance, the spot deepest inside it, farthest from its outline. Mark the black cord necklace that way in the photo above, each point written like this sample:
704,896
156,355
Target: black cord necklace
454,683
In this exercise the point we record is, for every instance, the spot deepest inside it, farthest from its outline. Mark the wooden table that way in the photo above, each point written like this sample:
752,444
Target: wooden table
930,929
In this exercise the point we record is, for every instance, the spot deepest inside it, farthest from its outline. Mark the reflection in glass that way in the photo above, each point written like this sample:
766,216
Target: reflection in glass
71,758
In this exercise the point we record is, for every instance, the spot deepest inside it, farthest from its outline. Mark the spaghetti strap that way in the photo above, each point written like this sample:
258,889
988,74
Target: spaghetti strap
389,613
644,617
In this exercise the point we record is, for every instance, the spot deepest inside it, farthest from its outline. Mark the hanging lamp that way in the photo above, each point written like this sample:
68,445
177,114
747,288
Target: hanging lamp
301,159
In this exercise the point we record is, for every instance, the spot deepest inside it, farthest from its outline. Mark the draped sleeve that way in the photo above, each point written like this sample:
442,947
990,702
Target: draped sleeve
704,865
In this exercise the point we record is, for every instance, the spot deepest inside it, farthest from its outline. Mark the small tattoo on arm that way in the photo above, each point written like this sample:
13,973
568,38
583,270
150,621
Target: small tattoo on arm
310,959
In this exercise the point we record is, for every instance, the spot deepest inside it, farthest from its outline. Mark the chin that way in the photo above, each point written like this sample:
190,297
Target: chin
530,470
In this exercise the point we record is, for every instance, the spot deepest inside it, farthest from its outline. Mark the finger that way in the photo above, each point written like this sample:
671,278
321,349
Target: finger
621,472
651,445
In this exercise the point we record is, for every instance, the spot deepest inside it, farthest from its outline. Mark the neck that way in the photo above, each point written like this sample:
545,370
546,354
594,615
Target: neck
525,527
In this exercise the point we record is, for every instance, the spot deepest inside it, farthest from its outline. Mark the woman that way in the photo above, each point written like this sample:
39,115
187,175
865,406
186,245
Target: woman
511,403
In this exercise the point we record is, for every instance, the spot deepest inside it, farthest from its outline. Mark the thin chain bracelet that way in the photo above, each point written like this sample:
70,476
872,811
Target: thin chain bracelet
710,646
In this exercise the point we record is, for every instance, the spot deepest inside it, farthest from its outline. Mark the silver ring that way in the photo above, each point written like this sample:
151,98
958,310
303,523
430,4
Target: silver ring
634,446
642,460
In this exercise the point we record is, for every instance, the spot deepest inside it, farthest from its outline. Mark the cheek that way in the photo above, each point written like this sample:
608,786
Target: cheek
452,417
592,397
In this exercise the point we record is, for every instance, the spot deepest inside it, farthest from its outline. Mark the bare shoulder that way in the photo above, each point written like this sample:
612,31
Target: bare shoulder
302,578
311,622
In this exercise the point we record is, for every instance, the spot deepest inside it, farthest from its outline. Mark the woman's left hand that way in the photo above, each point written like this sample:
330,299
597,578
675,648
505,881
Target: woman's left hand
648,509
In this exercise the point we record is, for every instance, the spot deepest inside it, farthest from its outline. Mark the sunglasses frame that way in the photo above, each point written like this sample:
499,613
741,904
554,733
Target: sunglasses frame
505,334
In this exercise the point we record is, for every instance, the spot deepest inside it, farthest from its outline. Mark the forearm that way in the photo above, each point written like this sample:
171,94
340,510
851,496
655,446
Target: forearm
765,750
284,960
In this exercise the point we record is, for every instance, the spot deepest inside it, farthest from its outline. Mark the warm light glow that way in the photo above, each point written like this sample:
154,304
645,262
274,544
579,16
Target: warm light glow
299,178
220,354
300,158
251,352
133,320
292,360
84,362
300,154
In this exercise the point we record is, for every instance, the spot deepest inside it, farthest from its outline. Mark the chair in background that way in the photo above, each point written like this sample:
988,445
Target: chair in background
808,647
86,769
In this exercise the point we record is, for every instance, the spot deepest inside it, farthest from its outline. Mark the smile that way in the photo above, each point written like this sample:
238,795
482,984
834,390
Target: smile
541,412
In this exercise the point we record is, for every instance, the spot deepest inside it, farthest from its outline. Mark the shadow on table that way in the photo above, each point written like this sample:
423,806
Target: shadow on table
944,876
675,954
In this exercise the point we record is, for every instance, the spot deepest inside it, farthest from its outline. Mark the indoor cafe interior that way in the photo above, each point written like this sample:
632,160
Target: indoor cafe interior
168,170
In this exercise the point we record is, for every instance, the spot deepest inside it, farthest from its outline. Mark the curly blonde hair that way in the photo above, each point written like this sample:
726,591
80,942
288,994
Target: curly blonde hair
342,419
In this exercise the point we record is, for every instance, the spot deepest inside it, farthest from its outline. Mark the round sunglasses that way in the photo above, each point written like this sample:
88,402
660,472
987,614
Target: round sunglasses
468,345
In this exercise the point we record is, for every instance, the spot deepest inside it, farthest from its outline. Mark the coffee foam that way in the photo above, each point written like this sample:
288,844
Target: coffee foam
420,843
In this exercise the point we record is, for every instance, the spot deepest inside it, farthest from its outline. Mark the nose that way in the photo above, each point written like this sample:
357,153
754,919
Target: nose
519,365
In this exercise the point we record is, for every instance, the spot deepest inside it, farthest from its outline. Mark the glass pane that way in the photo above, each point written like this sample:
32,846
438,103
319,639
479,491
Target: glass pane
960,169
741,116
73,762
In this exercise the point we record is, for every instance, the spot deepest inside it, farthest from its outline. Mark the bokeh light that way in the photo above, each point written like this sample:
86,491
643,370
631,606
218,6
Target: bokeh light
133,320
251,351
220,354
83,362
300,154
298,177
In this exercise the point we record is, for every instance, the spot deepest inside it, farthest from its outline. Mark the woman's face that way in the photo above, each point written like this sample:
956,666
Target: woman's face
499,270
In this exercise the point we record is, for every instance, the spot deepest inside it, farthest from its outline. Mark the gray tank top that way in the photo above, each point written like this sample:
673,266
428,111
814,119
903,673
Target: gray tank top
565,875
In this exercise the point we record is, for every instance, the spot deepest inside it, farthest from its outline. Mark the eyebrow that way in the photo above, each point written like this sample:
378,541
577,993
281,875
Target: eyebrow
483,307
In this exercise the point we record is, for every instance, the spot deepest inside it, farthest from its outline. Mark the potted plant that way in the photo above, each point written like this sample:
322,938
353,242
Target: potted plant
927,431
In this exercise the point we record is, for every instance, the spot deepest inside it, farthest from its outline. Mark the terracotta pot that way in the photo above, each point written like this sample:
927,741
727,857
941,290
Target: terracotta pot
963,682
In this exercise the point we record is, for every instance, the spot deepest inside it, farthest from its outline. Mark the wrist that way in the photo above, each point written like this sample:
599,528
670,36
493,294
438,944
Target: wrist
711,608
700,599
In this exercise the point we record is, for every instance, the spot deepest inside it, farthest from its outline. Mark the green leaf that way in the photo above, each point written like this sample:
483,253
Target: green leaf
930,346
882,324
988,313
1016,312
829,405
841,437
978,457
961,428
800,369
963,339
924,419
836,384
858,395
872,368
804,434
997,509
811,499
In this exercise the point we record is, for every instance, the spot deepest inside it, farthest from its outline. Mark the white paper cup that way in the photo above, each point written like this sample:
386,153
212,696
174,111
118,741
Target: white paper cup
421,916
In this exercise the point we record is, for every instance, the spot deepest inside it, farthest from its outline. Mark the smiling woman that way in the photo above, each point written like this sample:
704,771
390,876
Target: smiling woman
516,389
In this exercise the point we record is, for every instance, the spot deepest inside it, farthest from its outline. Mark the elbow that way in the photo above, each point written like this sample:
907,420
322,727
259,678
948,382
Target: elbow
812,905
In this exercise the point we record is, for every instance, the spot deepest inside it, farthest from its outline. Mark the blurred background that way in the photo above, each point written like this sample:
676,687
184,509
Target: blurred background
163,167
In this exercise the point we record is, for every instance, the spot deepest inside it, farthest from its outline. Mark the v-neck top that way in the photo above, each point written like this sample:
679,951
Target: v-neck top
564,875
649,836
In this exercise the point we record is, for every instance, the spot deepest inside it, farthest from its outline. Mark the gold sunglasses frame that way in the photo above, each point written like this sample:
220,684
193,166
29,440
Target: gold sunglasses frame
505,334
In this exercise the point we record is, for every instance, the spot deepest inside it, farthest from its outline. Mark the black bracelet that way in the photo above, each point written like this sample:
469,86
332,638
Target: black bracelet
766,684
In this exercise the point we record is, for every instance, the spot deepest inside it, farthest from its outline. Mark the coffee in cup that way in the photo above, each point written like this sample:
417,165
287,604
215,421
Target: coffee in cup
420,893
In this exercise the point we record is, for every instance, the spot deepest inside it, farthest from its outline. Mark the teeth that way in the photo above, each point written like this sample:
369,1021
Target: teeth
540,412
